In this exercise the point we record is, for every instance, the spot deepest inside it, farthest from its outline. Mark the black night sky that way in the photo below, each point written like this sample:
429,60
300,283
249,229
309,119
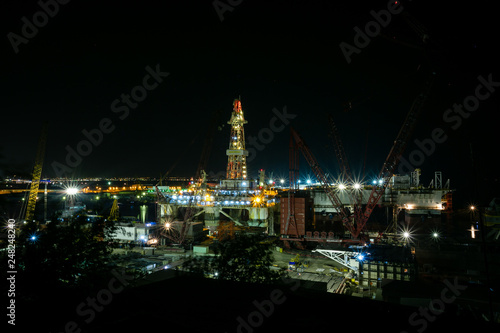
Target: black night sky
274,54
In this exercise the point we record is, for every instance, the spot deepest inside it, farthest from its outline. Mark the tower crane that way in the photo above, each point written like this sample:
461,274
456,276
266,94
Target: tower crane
37,173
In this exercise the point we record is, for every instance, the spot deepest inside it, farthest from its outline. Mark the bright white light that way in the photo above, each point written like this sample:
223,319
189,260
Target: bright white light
309,181
361,257
341,187
33,237
435,235
270,182
167,225
72,191
282,181
406,234
244,183
357,186
380,181
374,182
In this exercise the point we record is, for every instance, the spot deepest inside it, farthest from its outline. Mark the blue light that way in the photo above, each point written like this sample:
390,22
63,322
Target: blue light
361,257
33,237
374,182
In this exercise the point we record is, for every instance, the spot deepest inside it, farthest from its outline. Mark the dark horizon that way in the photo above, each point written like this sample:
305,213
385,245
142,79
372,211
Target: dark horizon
74,72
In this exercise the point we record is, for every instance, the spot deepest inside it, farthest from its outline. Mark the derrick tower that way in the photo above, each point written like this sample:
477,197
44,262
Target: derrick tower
236,153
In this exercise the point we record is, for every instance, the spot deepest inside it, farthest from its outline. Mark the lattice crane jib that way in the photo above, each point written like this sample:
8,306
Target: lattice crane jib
395,153
37,173
236,153
325,182
345,170
114,214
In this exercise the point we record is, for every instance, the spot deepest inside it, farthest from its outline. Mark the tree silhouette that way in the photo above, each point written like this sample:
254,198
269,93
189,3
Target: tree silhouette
245,258
64,255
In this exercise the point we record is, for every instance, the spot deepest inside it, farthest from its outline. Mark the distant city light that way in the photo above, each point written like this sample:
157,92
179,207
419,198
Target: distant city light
282,181
435,235
374,182
308,181
357,186
406,234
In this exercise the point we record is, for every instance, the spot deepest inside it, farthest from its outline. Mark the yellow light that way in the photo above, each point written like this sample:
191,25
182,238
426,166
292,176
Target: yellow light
167,225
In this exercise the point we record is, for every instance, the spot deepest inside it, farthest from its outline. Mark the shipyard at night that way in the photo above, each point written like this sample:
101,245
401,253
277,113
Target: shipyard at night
236,167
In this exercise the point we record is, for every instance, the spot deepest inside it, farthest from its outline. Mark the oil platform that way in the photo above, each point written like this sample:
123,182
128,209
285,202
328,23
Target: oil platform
324,211
237,199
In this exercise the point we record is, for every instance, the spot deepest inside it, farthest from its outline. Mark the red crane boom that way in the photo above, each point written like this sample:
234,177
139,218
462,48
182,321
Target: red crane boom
395,153
325,182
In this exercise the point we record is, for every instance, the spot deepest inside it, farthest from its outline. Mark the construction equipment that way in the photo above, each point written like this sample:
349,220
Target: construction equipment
356,222
37,173
207,146
114,213
355,190
395,154
326,182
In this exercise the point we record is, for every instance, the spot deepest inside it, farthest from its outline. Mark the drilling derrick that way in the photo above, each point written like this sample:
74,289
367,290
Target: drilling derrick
236,153
37,173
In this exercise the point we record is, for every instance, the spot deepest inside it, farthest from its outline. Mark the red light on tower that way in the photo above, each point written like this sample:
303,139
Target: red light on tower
236,164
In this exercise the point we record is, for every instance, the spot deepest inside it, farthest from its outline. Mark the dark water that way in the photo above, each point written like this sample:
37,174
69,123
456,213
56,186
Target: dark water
13,205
